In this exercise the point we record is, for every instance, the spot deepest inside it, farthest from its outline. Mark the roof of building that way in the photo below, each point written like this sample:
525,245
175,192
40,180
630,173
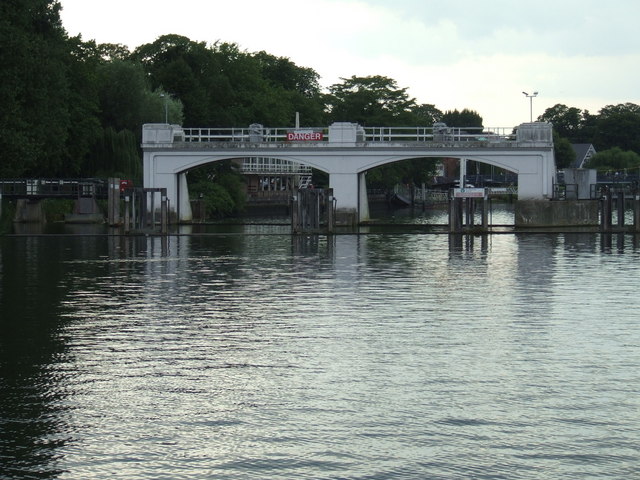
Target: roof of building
584,151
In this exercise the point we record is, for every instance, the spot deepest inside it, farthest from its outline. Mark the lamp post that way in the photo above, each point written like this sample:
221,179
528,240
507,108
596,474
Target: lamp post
166,107
530,97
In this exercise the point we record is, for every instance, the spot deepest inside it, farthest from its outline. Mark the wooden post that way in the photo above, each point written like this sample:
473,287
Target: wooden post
142,214
605,218
113,201
636,212
620,206
329,209
153,209
164,212
485,211
132,208
295,214
469,211
455,215
127,214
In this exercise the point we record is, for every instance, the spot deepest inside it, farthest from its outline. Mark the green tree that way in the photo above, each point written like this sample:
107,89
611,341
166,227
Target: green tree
219,86
292,88
34,88
567,121
283,73
188,71
221,187
109,52
426,114
464,118
83,107
115,154
614,160
564,153
121,91
373,100
618,126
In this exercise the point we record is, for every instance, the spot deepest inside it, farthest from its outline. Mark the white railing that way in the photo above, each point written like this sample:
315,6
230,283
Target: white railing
370,134
240,134
438,134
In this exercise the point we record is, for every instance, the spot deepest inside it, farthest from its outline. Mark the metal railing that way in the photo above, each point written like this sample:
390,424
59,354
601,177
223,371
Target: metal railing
478,135
46,187
438,134
272,165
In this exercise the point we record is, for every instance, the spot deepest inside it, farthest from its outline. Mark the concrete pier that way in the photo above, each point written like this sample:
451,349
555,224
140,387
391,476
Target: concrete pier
29,211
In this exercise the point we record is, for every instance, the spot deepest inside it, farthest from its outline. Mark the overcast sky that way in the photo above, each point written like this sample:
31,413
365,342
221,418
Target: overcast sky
459,54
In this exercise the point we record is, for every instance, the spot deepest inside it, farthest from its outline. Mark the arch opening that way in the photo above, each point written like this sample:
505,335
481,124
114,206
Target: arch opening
217,186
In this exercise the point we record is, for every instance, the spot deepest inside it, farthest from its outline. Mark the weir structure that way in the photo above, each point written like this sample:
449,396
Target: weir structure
346,151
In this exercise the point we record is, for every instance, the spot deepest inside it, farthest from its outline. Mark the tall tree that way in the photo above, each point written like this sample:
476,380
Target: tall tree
122,85
295,88
426,114
564,153
464,118
34,88
614,160
373,100
567,121
618,126
187,70
83,106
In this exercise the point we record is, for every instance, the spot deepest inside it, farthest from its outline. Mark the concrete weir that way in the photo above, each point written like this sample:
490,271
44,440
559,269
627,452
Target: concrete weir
346,151
565,213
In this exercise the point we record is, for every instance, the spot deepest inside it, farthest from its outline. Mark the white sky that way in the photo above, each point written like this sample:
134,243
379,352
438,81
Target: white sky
459,54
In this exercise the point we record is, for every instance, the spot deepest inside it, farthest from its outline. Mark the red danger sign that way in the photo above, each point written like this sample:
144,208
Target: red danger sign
304,136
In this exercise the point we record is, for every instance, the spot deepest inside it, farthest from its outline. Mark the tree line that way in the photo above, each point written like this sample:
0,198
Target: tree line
614,132
75,108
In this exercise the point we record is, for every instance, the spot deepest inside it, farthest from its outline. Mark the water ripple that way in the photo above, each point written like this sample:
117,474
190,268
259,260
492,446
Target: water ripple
353,357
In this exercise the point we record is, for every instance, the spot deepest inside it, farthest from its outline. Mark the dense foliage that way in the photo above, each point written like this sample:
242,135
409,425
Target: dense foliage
614,132
615,160
70,107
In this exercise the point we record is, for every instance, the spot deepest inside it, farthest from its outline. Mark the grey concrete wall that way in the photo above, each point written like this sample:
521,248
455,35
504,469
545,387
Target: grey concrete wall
583,178
545,213
29,211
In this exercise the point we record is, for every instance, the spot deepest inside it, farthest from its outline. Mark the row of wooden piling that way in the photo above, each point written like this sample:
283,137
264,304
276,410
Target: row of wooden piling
462,214
313,211
617,201
141,213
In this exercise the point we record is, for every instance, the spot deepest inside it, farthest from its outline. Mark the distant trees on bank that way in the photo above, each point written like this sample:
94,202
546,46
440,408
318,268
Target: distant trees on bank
70,107
614,132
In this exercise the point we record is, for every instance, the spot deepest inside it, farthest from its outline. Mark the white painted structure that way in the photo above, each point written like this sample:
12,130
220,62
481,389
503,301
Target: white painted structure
346,151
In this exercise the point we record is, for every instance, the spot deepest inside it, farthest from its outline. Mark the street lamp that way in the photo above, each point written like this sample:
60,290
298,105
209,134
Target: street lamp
530,97
166,107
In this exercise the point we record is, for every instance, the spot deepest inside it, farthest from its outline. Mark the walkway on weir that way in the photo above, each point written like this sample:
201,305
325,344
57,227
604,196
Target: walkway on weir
346,151
40,188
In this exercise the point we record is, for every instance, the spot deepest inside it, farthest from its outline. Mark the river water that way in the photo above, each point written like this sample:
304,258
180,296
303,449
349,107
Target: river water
253,354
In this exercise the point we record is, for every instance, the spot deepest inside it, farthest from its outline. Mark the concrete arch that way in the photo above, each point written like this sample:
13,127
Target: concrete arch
200,162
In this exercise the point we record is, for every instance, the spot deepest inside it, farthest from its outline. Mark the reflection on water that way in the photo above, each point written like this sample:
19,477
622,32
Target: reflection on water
499,214
264,355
